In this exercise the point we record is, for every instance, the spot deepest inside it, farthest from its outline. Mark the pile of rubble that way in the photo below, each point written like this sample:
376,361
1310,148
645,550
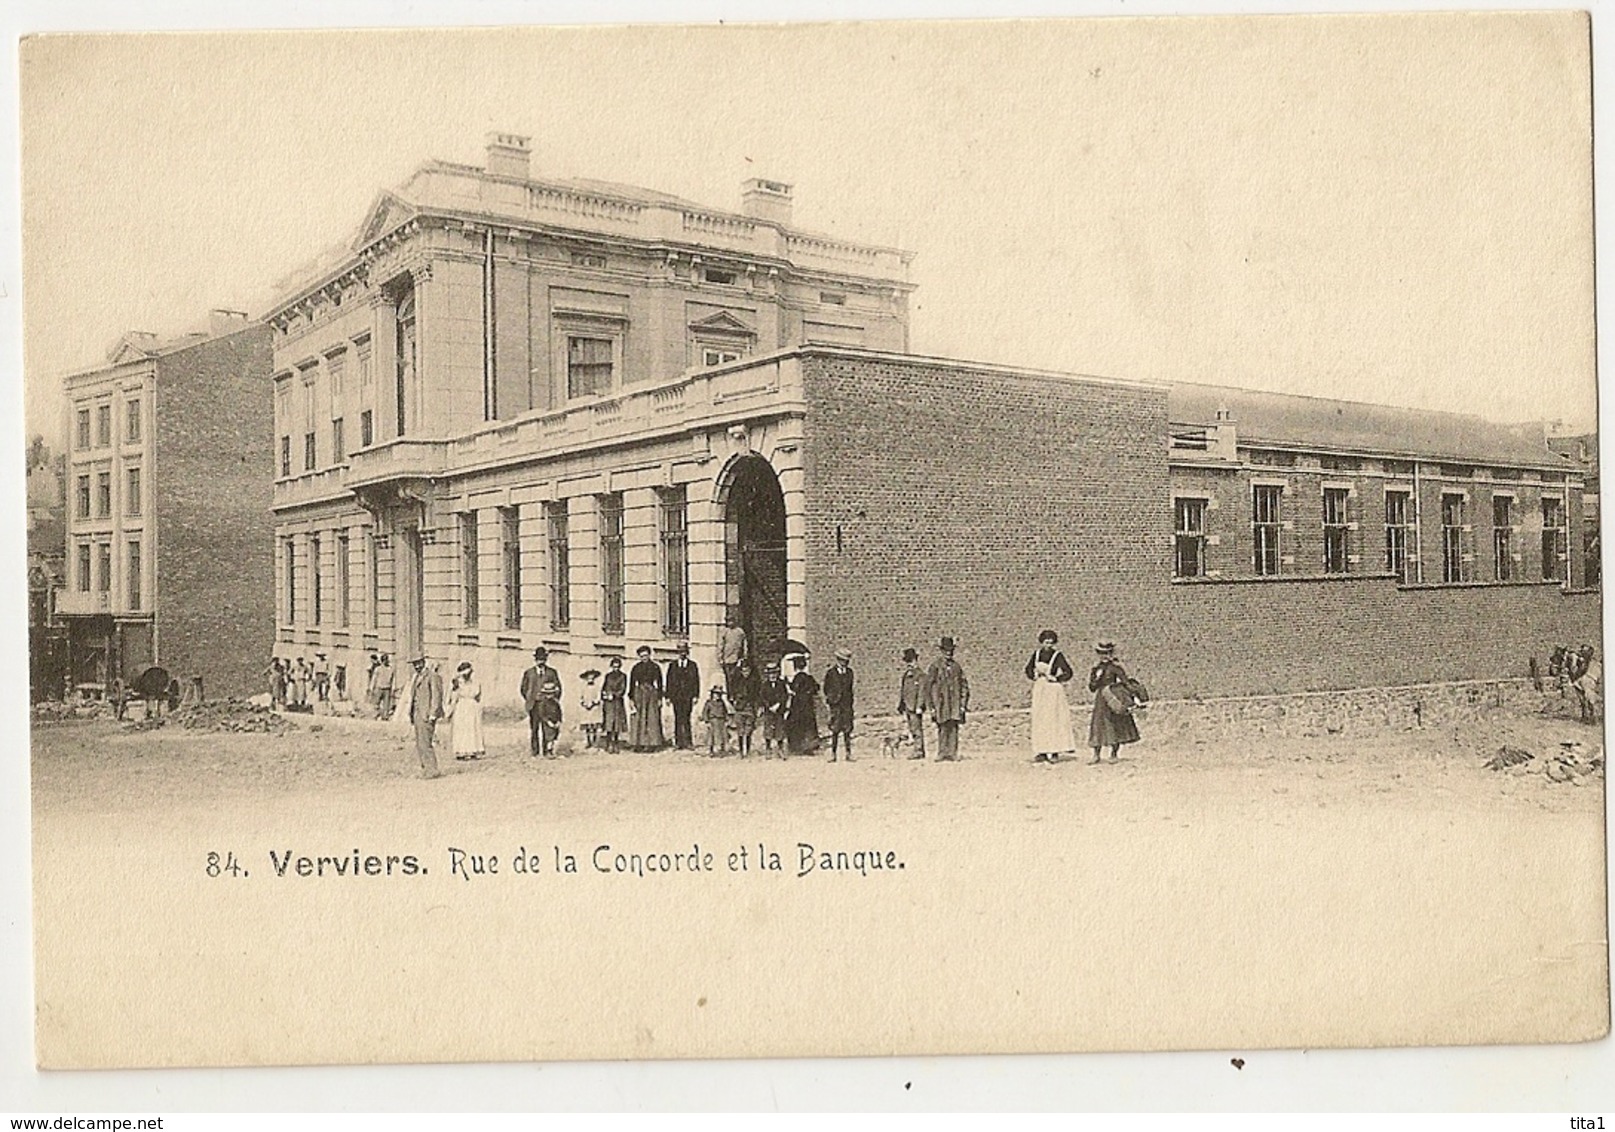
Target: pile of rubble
54,711
218,715
1572,762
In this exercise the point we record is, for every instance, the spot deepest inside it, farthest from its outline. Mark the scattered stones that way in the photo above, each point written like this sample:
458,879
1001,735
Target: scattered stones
218,715
1507,757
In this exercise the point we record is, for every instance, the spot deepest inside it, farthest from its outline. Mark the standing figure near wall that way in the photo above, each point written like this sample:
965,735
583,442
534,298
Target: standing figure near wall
772,697
731,650
645,695
465,712
838,696
802,710
613,704
1049,671
683,687
1112,722
541,695
947,694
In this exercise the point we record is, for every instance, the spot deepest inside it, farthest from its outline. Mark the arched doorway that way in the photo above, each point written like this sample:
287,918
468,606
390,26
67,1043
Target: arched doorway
754,553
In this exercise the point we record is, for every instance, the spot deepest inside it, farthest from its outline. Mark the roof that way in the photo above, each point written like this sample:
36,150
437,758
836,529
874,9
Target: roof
1290,420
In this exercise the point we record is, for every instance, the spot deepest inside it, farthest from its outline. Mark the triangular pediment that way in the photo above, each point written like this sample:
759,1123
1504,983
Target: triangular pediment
132,347
387,212
721,323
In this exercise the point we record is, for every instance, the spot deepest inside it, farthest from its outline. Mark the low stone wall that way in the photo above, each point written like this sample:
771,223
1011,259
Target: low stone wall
1360,711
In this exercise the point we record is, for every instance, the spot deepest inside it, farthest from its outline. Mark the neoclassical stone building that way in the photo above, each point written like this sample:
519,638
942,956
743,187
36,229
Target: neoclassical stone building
521,411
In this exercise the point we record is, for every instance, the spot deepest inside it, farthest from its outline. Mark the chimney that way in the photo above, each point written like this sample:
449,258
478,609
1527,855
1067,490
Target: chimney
221,321
769,201
509,155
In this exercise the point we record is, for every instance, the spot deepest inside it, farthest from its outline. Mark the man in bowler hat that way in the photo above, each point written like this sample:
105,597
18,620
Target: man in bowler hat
947,694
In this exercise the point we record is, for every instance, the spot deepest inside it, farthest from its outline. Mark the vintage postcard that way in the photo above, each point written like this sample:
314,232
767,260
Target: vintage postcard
813,540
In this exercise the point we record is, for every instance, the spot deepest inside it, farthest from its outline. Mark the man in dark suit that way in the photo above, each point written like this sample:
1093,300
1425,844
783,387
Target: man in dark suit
683,686
838,698
541,695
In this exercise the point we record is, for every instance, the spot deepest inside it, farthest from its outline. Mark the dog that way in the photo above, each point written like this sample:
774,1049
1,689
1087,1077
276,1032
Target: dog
890,745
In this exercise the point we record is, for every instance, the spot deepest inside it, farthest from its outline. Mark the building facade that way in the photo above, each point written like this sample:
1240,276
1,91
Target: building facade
168,527
591,417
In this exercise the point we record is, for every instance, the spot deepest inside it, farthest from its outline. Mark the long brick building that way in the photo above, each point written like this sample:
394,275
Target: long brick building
168,527
528,411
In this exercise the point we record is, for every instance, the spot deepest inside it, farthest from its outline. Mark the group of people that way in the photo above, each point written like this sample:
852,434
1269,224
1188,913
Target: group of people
297,683
1116,697
796,713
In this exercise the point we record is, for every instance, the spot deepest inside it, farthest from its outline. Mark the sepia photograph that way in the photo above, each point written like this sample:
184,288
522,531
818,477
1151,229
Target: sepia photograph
801,540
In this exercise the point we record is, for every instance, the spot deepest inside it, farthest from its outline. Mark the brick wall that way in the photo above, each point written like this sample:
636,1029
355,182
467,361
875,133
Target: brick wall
214,467
988,505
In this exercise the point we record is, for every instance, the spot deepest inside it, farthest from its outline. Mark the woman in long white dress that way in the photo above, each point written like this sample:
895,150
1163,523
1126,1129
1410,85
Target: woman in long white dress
466,715
1049,671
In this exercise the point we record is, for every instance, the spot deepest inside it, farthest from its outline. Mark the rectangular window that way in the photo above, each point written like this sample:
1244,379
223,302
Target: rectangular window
468,566
361,352
372,579
315,588
1503,537
83,508
1189,555
715,356
289,553
131,500
1396,534
334,365
611,564
555,518
367,429
339,451
285,455
1266,527
84,567
588,365
131,422
675,530
103,426
134,575
1553,539
1336,533
83,428
103,564
103,494
344,606
510,556
1452,538
308,452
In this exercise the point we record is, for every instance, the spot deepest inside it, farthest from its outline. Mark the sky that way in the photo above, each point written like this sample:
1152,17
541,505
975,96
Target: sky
1392,209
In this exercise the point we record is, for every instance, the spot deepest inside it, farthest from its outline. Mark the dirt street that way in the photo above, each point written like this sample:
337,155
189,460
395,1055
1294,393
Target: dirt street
1330,890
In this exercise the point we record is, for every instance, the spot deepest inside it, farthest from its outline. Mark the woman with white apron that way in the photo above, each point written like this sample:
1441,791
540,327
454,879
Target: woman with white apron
1049,671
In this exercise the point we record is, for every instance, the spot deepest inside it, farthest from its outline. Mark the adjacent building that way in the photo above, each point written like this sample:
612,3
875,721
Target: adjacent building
169,536
524,410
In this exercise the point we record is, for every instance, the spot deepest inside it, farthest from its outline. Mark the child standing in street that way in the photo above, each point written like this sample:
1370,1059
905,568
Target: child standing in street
715,714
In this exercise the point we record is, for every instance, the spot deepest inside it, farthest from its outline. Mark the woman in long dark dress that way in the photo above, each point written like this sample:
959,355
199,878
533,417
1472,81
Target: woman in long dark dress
614,704
645,693
801,711
1109,727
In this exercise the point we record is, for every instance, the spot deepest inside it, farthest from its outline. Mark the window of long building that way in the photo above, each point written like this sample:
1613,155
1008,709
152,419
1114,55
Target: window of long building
289,559
83,433
1503,537
339,446
510,556
103,556
1267,510
344,600
82,501
103,426
1396,535
131,500
469,560
611,564
675,532
555,517
285,455
372,579
134,575
84,567
310,453
1553,539
131,419
315,588
367,429
1336,531
589,362
1452,537
103,494
1189,540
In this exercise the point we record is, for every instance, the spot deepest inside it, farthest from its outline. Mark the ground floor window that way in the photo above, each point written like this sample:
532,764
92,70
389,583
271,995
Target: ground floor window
557,521
675,537
1336,531
1452,538
1503,537
1189,555
1553,540
611,564
1266,527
